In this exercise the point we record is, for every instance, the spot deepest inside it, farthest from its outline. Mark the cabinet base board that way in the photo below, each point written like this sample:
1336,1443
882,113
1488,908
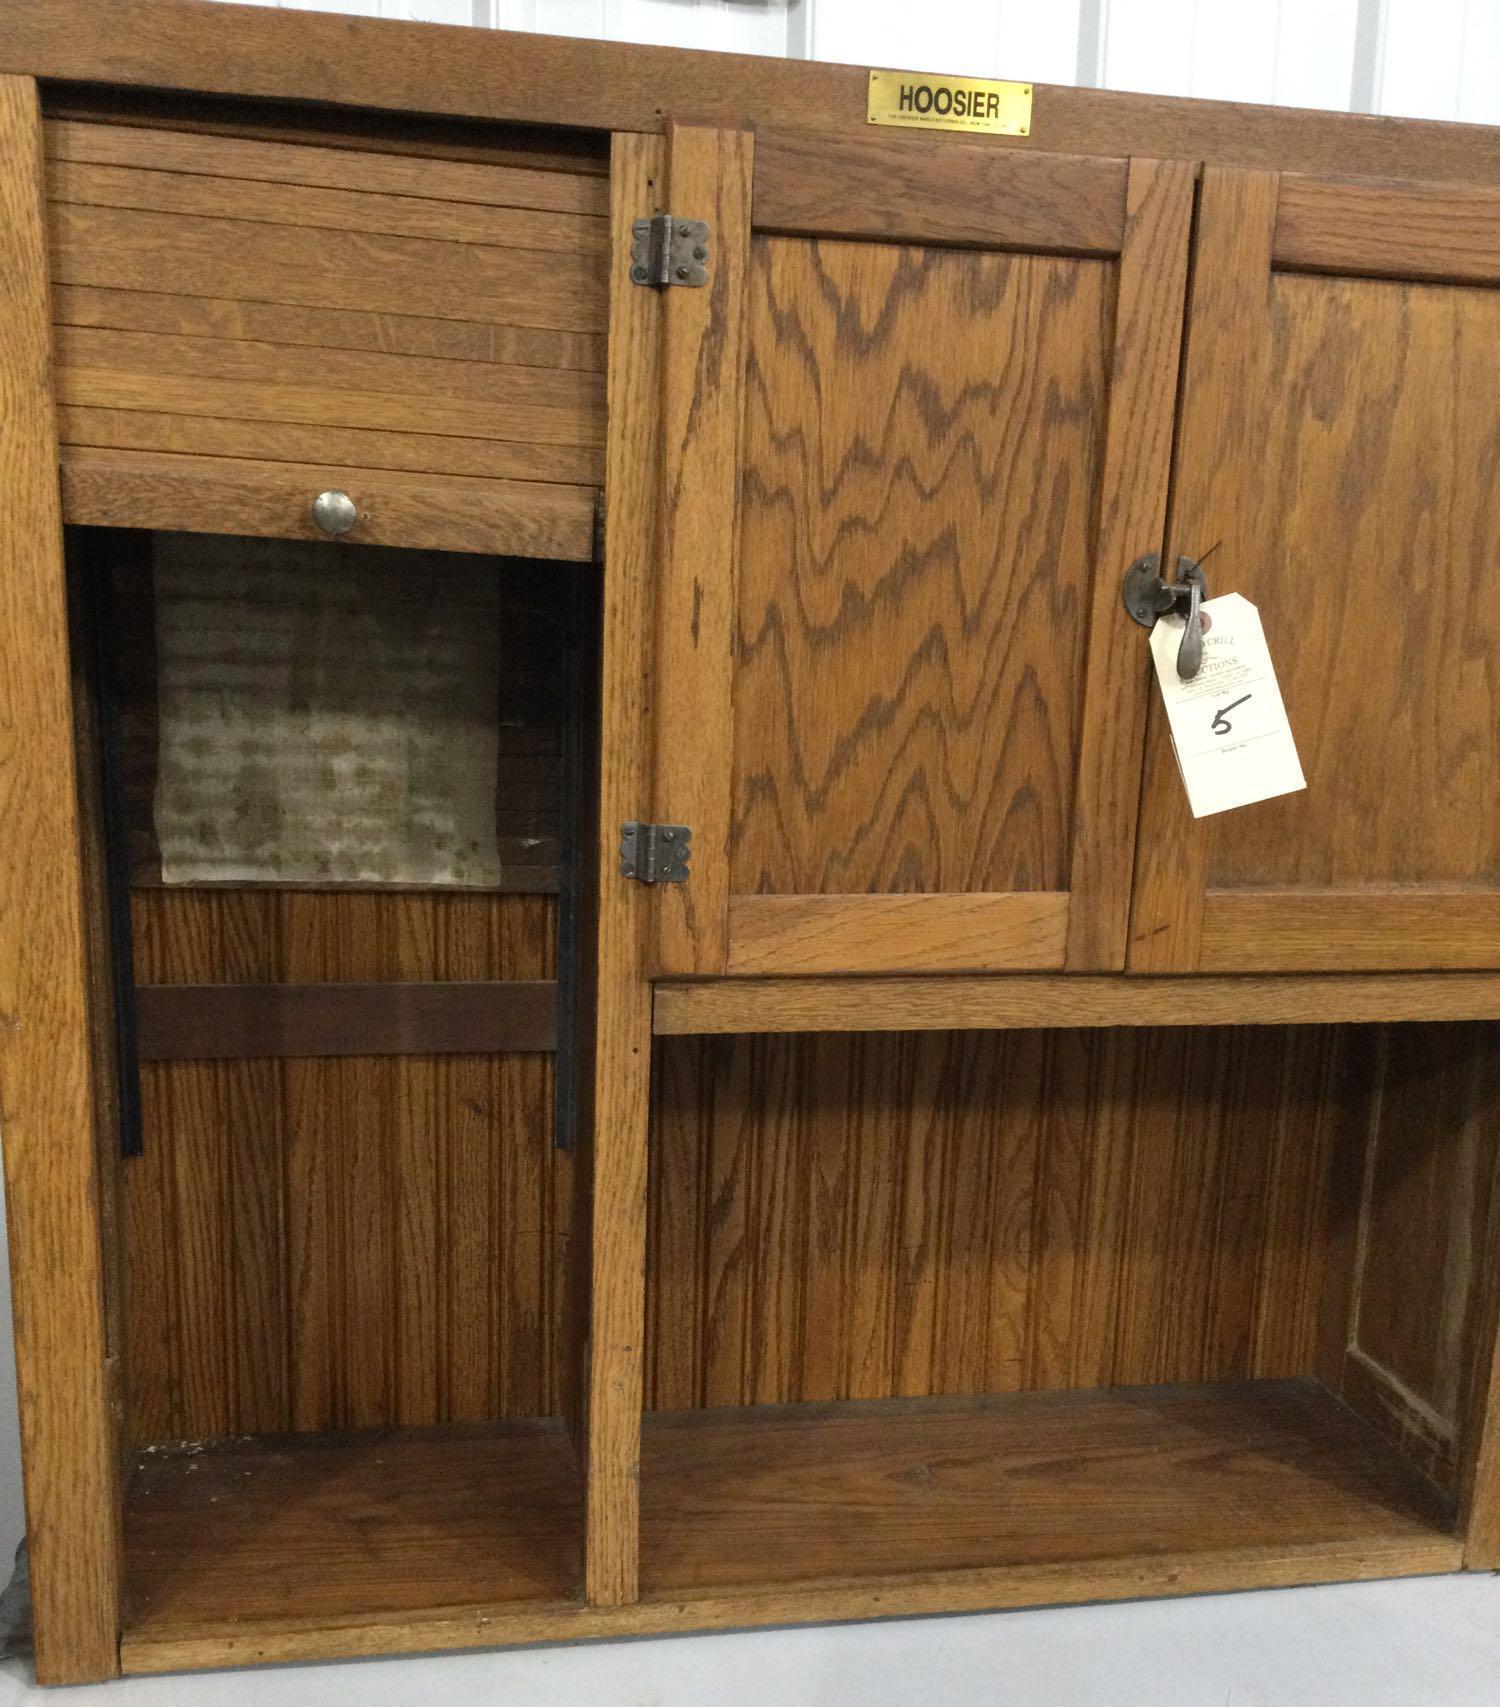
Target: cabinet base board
1027,1500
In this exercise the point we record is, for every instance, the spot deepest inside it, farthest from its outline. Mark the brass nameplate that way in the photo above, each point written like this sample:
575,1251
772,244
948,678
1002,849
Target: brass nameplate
923,101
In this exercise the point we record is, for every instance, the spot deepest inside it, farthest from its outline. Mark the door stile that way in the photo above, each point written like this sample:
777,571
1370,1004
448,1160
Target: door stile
708,176
1150,305
1216,477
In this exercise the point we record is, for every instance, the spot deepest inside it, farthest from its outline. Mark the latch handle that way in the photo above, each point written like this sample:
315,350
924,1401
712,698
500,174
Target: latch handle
1147,597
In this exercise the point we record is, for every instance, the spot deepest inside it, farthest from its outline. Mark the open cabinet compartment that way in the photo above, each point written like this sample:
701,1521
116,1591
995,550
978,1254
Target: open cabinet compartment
1067,1315
339,793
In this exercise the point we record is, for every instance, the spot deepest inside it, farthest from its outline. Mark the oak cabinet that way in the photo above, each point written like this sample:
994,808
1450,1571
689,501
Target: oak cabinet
1340,415
903,714
897,705
973,1182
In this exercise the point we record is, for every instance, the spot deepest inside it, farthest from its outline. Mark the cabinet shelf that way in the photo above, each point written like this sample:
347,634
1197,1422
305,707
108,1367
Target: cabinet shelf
388,1542
229,1543
1027,1001
1012,1488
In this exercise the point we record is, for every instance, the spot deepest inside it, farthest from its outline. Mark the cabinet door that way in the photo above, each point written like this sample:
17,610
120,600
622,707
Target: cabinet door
1338,451
914,431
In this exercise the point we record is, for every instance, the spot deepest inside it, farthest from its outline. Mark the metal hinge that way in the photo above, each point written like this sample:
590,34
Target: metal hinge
655,853
669,251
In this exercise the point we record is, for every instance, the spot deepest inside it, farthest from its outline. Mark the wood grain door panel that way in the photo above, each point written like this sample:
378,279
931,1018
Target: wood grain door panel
906,706
1338,447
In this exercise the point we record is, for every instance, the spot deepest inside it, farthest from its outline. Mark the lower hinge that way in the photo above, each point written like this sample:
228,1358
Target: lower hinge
669,251
655,853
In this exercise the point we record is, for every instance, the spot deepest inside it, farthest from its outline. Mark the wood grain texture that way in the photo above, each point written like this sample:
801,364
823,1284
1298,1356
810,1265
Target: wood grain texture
1359,410
910,190
208,1022
120,249
325,210
327,328
244,437
1379,229
116,1122
808,1493
354,388
345,1243
221,494
358,164
197,1644
990,1003
865,1216
46,1071
1149,306
385,1521
702,400
308,1537
610,86
1217,466
921,456
323,289
618,1090
1374,928
1378,450
896,933
1425,1265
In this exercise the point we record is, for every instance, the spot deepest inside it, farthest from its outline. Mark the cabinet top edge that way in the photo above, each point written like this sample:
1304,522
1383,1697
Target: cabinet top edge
207,48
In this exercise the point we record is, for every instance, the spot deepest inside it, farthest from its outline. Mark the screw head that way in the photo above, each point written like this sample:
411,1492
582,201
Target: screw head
682,272
638,274
700,253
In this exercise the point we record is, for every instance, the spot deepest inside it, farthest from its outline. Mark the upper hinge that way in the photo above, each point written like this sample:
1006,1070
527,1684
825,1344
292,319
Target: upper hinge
655,853
669,251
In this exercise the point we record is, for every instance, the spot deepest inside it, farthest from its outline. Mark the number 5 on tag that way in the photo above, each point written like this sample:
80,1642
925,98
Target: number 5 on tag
1229,727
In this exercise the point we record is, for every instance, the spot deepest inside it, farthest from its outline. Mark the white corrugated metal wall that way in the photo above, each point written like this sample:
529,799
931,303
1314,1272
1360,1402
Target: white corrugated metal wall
1422,58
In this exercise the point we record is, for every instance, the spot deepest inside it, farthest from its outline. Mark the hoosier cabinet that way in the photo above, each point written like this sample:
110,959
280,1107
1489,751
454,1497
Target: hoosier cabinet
614,1017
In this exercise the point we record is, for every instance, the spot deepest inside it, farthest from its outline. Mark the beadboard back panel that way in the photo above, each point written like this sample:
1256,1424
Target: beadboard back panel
341,1243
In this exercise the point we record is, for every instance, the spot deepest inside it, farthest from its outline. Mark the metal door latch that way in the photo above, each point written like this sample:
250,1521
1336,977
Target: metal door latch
669,251
655,853
1148,596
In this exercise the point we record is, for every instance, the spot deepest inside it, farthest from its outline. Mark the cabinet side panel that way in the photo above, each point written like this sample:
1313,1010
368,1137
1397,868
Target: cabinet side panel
1424,1268
52,1188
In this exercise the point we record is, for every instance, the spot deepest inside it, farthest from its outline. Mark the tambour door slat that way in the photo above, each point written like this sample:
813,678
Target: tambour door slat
245,159
236,313
328,328
575,398
131,248
326,211
245,435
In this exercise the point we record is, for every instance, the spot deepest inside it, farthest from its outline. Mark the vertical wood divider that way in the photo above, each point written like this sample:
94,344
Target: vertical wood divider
702,392
1149,304
47,1095
1215,477
617,1097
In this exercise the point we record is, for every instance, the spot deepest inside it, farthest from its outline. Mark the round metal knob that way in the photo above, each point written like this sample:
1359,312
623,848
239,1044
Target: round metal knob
334,512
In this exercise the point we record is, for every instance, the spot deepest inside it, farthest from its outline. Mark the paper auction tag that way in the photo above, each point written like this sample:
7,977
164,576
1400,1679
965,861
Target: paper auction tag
1229,726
